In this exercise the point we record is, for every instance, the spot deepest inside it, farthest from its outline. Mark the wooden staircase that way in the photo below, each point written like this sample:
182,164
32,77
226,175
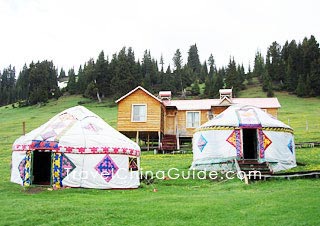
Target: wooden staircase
250,166
169,143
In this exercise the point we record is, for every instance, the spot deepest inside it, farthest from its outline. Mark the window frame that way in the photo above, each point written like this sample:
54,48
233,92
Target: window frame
199,112
146,112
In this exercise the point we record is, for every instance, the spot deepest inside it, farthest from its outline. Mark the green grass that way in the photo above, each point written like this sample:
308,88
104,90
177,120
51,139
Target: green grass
176,202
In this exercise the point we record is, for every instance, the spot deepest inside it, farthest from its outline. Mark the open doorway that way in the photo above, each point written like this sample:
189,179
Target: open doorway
249,138
41,168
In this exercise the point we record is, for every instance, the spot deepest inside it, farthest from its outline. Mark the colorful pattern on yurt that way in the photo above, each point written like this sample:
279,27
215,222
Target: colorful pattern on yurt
107,168
202,142
47,145
235,140
264,143
61,167
67,166
290,146
25,169
133,164
248,118
21,167
56,170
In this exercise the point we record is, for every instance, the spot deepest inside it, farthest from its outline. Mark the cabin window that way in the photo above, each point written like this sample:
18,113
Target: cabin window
139,113
193,119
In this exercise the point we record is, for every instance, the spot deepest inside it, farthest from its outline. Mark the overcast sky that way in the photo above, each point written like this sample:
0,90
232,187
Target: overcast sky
70,32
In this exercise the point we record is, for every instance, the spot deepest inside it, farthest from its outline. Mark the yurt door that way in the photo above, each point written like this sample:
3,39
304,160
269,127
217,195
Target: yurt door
41,168
249,141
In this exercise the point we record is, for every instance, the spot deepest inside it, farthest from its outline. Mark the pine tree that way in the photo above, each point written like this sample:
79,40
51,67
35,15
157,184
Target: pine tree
241,77
43,82
121,82
210,79
148,77
72,85
211,63
275,64
23,84
102,78
301,87
7,86
194,63
62,74
161,63
249,75
232,77
204,72
91,89
315,78
259,66
219,82
81,82
177,62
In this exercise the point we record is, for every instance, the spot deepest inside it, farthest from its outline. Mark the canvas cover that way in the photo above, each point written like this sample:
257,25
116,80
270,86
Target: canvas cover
85,152
219,141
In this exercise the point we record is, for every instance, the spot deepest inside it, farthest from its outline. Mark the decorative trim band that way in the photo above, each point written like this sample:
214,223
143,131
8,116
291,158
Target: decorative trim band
78,150
274,129
217,128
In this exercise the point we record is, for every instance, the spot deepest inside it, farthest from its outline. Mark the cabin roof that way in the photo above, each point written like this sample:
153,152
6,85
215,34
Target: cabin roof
270,102
143,89
206,104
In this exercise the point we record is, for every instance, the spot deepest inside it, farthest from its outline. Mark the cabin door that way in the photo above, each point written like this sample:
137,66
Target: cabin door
41,168
249,143
171,125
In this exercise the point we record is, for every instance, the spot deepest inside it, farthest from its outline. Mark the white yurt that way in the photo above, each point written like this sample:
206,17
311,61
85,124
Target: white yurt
244,133
76,148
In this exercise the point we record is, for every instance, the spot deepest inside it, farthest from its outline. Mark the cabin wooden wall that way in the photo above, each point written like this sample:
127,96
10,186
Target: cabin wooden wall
153,122
182,122
218,110
273,112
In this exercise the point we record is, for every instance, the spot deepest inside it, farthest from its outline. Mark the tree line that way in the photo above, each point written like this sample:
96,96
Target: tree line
294,67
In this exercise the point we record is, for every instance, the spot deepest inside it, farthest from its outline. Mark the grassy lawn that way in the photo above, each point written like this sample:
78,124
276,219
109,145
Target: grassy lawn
176,202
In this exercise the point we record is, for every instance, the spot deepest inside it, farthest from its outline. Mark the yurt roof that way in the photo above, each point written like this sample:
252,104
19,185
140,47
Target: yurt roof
245,116
77,130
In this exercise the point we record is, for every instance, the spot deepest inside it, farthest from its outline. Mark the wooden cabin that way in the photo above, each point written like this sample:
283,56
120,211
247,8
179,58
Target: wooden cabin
164,123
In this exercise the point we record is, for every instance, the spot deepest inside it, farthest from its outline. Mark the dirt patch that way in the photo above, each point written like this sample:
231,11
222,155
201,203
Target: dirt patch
34,190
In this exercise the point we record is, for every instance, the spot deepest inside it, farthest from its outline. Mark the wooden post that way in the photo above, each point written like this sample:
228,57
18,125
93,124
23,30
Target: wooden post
137,137
148,140
178,141
23,128
159,140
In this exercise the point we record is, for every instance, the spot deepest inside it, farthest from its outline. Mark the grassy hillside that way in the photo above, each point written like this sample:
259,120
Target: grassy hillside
176,202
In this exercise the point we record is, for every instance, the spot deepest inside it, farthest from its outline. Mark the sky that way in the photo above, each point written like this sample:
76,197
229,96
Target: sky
70,32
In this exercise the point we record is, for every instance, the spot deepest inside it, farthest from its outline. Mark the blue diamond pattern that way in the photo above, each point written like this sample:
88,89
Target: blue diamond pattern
202,142
290,146
107,168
